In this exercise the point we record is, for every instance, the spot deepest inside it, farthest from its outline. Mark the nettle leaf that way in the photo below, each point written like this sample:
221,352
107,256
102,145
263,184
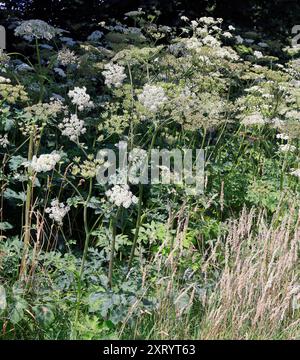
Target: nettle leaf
18,311
3,302
44,314
9,123
12,195
100,302
5,226
94,203
15,162
75,201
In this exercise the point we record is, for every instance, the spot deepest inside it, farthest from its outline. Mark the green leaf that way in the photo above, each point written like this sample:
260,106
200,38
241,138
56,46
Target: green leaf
11,194
16,161
17,313
44,314
5,226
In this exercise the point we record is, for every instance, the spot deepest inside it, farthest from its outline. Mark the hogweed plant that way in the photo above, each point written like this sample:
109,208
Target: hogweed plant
98,241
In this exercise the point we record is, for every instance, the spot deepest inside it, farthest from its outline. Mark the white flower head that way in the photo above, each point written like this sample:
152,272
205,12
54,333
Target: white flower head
194,23
227,35
210,41
208,20
120,195
72,127
184,18
253,119
45,162
152,98
258,54
66,57
135,13
282,136
80,98
4,80
239,39
296,173
287,148
57,211
114,75
4,141
36,29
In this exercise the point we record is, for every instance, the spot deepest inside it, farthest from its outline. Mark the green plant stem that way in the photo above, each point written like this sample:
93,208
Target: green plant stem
84,255
137,227
138,221
112,248
27,210
86,229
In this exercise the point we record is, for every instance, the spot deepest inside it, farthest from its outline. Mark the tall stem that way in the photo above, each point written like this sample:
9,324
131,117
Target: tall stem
84,255
132,106
86,229
138,221
137,227
112,248
27,209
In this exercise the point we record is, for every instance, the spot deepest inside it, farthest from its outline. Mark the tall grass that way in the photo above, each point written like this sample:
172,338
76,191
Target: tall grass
256,293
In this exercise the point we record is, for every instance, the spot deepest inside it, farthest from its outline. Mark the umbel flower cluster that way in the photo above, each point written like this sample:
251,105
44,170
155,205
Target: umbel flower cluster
4,142
44,162
36,29
80,98
120,195
152,98
66,57
72,127
57,211
114,75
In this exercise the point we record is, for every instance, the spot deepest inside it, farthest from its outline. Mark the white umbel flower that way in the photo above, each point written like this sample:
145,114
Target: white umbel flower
45,162
227,35
296,173
114,75
282,136
258,54
287,148
72,127
67,57
210,41
120,195
253,119
239,39
152,98
4,141
57,211
36,29
80,98
4,80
